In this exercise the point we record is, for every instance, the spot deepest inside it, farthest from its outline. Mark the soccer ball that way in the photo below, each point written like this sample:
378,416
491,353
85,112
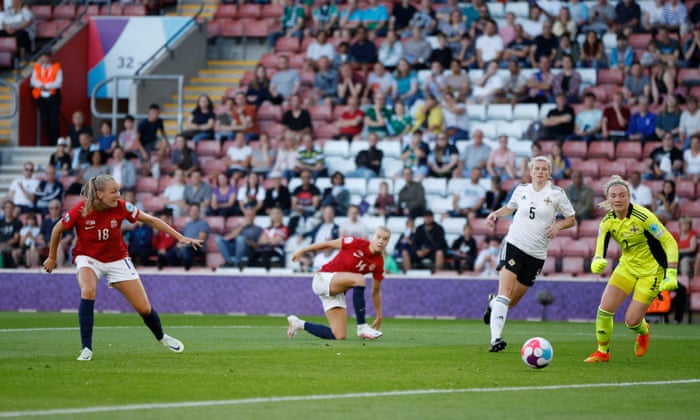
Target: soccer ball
537,353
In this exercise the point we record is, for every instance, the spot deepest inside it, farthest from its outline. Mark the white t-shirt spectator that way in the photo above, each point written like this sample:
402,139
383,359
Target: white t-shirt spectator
692,163
29,184
238,154
490,46
641,195
316,51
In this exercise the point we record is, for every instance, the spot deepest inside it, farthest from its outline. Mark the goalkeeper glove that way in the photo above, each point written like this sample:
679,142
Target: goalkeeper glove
670,282
598,265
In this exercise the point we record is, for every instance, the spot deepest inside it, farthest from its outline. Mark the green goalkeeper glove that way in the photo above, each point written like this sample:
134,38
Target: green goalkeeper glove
670,282
598,265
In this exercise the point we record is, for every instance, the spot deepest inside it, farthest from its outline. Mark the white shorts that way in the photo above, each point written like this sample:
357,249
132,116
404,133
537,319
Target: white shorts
114,272
321,286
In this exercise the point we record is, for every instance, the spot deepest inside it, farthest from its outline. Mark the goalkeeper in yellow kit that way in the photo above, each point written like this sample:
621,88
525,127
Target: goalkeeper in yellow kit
648,265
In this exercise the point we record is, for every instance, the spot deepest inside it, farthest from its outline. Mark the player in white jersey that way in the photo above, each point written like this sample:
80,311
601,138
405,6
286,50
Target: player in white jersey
535,223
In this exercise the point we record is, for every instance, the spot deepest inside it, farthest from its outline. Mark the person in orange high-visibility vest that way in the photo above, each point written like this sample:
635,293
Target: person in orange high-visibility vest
46,83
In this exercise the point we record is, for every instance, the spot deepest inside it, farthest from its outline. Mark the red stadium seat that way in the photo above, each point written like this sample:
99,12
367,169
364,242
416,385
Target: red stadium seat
252,11
555,247
216,224
46,29
628,149
42,12
269,61
164,182
272,11
572,248
226,11
255,28
213,29
480,227
588,228
572,265
268,111
685,188
601,149
214,259
575,149
113,9
549,267
610,76
287,44
62,24
209,148
612,167
90,10
639,41
690,207
296,61
147,184
231,28
588,167
689,77
325,131
502,226
64,11
232,223
153,203
321,113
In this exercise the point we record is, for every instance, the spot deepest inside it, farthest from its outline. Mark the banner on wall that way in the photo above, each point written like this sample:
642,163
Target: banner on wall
118,46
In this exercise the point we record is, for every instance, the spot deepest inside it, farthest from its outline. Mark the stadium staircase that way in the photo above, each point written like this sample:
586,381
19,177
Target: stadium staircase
5,108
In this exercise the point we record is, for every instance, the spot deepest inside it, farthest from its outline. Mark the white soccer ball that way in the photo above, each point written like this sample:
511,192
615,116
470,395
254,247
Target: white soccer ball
537,352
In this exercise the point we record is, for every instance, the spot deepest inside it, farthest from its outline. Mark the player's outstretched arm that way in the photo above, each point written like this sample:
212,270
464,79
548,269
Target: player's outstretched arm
157,223
319,246
56,234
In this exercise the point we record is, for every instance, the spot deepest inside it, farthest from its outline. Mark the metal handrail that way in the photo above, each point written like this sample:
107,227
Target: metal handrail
114,115
14,100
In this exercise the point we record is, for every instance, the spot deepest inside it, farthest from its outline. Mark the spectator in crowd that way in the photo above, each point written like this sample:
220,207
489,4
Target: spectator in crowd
691,47
341,55
428,243
405,240
453,27
443,158
384,204
245,117
401,123
691,159
653,15
198,191
545,45
665,203
377,117
415,156
337,195
48,190
668,120
306,200
457,83
412,201
292,21
564,25
662,82
350,17
163,244
81,155
325,17
475,155
123,171
507,29
489,46
687,246
252,194
559,122
515,84
263,157
325,84
318,48
296,119
593,52
238,246
351,121
463,251
669,48
434,82
579,12
174,194
501,161
666,160
140,243
150,133
379,82
519,49
129,140
561,168
674,16
488,258
495,197
259,88
353,226
327,230
238,157
640,194
581,196
285,82
106,140
417,50
406,80
443,53
689,123
286,160
642,123
349,84
424,19
183,156
601,18
61,158
390,50
363,52
44,239
567,47
46,82
368,162
223,197
470,198
456,119
375,17
429,117
10,226
628,17
310,157
588,121
27,251
540,83
272,239
77,128
622,55
401,15
616,118
636,84
467,52
18,22
23,189
568,81
277,195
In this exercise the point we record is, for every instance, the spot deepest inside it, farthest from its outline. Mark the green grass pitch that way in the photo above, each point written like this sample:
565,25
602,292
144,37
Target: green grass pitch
246,368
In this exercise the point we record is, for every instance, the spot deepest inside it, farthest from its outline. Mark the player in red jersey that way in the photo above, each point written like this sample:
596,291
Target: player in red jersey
101,251
346,271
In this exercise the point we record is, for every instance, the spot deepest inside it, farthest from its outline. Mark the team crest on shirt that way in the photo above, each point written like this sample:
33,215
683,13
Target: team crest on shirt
89,223
347,239
511,262
548,201
113,224
66,218
372,267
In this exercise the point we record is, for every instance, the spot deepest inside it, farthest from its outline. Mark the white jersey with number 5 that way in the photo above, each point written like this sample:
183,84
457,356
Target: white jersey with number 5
534,211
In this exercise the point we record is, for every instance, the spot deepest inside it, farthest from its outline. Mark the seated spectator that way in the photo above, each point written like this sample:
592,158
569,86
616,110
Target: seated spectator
453,27
337,195
306,200
77,128
653,15
456,119
412,201
353,226
183,156
470,198
665,203
390,51
375,17
384,204
292,20
561,168
415,156
489,46
342,55
640,194
642,124
237,247
363,52
81,155
636,85
581,197
259,88
238,157
406,81
567,47
296,119
507,29
668,120
286,160
140,243
579,12
400,123
691,47
27,251
310,157
488,258
662,82
325,84
689,123
22,190
351,121
559,122
18,22
47,224
669,48
350,17
463,251
424,19
616,119
319,48
223,197
622,55
588,121
429,243
379,82
666,160
691,159
519,48
97,167
150,133
401,15
457,82
564,25
325,17
593,52
601,18
263,157
467,53
443,158
162,244
174,194
515,84
277,195
429,117
123,171
272,239
495,198
687,240
61,158
405,240
443,53
225,126
349,84
501,161
106,140
417,50
475,155
628,17
48,190
545,45
198,191
285,82
326,230
252,194
568,81
540,83
434,83
377,117
245,117
368,162
10,227
128,139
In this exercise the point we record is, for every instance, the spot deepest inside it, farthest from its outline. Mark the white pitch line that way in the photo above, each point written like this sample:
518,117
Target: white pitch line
295,398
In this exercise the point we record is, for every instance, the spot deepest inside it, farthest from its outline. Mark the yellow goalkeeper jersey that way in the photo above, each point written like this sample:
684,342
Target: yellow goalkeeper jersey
644,240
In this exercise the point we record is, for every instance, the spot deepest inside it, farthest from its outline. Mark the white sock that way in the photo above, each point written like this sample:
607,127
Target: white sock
499,313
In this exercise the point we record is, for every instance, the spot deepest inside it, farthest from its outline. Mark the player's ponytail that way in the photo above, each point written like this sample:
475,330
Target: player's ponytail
89,191
614,180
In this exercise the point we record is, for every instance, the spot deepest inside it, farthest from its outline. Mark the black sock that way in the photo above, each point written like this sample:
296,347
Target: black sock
358,301
86,319
152,321
319,330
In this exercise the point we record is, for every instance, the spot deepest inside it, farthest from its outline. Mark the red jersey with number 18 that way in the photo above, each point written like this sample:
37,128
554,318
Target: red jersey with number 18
355,257
99,233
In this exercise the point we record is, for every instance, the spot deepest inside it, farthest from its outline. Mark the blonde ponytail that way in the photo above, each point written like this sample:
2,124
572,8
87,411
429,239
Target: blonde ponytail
89,191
